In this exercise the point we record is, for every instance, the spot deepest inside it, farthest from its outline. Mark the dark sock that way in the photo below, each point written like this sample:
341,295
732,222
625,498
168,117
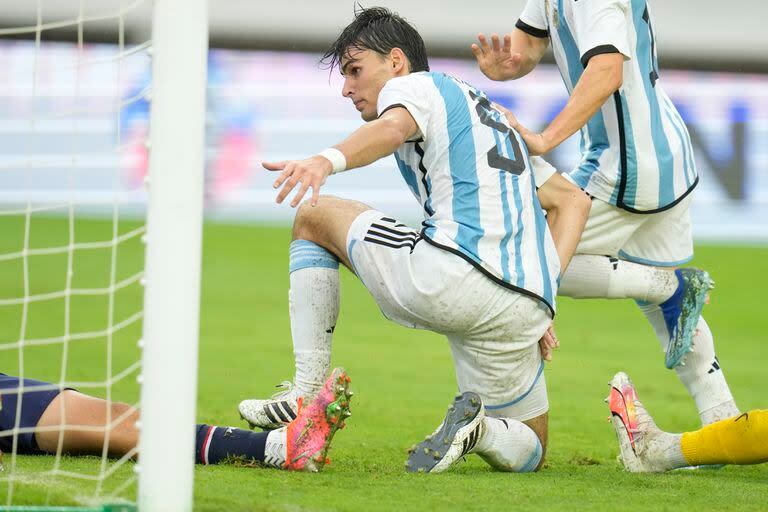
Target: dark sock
214,444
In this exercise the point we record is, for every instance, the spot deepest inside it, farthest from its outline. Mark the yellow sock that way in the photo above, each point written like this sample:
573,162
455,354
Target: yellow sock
738,440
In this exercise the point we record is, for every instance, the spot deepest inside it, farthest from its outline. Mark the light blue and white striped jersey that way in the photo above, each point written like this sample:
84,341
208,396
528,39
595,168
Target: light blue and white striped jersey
472,175
636,151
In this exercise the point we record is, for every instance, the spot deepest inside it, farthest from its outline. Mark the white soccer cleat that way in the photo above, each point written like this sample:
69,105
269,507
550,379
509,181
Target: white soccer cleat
643,446
453,439
278,411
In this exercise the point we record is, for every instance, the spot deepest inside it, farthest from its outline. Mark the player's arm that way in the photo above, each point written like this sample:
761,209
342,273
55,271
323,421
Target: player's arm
602,77
600,29
370,142
567,208
519,53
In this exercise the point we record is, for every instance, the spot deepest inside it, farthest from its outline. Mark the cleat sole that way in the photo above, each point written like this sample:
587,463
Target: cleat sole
426,455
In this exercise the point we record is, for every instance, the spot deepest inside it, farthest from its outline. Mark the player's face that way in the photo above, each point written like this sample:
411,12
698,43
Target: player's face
365,73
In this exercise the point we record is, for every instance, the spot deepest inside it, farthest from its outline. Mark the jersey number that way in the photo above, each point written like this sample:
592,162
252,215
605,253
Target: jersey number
496,158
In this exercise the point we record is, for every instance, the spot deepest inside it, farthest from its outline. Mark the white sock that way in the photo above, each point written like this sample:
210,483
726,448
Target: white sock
590,276
509,445
701,375
275,449
314,308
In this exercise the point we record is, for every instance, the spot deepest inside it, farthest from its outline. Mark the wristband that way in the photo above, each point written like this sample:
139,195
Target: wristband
337,159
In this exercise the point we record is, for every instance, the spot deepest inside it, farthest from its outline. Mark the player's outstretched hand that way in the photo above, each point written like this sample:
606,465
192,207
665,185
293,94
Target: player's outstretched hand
497,62
309,173
548,343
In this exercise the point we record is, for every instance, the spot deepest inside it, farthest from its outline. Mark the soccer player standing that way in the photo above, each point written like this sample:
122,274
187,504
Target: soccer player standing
483,270
637,164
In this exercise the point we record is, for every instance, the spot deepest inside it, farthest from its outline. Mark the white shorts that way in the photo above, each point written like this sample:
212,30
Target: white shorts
493,331
661,239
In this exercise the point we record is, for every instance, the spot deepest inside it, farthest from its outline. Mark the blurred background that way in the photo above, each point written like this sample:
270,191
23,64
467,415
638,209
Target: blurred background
66,117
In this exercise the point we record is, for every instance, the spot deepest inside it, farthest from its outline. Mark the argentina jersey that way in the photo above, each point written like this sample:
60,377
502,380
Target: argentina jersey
636,151
471,174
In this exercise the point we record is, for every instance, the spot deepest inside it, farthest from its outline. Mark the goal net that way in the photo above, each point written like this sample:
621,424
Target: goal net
100,209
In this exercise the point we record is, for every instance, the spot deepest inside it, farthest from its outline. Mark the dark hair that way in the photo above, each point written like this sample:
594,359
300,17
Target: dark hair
378,29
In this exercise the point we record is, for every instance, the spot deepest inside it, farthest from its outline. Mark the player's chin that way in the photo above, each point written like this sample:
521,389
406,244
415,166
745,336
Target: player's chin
368,116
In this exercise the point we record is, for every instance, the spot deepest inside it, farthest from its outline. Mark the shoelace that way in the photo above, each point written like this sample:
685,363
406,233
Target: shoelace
287,388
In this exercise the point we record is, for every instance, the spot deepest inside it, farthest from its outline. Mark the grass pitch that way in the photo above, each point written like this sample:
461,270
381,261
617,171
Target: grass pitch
403,381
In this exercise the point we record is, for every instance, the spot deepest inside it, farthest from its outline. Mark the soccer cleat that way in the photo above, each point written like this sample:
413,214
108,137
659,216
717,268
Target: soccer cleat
641,443
308,437
682,312
453,439
273,413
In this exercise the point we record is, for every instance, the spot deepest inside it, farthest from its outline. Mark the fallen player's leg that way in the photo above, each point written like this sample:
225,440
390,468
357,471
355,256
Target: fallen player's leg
644,448
53,421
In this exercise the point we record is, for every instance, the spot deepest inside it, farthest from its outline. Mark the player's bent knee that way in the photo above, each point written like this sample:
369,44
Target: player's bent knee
311,222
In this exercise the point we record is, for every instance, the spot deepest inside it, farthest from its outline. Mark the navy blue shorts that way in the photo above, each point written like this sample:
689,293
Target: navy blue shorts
33,405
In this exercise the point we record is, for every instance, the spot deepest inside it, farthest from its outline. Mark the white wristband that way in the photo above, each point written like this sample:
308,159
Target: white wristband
336,158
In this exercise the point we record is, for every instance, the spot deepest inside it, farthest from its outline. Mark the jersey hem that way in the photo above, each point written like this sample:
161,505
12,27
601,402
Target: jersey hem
623,170
487,274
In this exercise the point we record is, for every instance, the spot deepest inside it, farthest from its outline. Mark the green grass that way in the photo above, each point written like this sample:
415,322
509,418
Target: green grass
403,380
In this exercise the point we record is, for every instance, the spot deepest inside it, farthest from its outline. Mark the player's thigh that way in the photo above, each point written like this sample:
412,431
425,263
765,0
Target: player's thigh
608,229
502,362
414,283
664,240
328,223
540,425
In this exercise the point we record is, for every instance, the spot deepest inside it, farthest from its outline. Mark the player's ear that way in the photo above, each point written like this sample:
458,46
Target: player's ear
399,61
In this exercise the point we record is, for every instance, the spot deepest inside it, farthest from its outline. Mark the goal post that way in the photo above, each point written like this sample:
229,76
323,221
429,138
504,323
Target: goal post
173,255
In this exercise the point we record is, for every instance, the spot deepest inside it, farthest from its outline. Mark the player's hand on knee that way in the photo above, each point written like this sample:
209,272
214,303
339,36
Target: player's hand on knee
309,173
548,343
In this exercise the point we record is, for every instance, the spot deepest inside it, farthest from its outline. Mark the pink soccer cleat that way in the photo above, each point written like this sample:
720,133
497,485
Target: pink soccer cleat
308,437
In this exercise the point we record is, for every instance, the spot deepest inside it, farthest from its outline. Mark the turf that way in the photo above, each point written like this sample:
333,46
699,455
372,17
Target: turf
403,380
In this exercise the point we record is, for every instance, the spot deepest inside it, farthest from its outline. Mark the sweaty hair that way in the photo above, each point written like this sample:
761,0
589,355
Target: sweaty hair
379,30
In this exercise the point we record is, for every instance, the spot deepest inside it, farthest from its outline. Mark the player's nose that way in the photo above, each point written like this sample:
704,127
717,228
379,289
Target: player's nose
347,88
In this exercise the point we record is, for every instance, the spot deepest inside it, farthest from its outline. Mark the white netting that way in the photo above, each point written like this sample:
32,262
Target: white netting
73,126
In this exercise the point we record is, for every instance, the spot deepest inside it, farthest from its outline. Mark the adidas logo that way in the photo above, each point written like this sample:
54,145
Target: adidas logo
471,440
715,366
282,410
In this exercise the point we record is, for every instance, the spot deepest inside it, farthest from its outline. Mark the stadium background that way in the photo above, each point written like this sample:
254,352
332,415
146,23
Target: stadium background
269,100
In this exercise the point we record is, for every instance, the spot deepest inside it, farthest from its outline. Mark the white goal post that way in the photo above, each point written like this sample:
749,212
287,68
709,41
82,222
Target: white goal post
173,255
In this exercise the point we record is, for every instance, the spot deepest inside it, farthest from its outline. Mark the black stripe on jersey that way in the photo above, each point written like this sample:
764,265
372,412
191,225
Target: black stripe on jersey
420,152
487,273
410,245
394,221
532,31
269,414
287,408
622,148
410,232
393,238
623,169
276,409
597,50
